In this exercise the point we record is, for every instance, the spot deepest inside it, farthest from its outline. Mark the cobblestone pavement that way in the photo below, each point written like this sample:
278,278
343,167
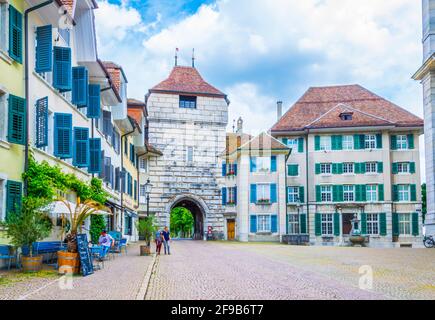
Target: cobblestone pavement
211,270
120,279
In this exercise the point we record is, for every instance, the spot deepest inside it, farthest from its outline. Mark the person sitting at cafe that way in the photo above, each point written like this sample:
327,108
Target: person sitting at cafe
106,241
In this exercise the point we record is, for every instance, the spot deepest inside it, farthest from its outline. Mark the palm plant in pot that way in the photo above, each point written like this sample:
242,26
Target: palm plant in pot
77,214
146,229
28,224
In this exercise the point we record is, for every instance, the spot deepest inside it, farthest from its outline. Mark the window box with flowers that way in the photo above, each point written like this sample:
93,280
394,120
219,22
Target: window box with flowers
263,201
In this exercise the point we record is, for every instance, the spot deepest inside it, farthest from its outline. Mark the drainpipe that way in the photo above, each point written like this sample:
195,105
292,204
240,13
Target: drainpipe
307,181
26,81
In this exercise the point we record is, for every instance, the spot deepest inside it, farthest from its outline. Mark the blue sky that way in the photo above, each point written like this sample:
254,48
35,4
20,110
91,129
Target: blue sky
260,51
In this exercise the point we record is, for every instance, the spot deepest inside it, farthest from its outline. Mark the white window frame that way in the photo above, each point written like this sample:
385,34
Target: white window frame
264,223
348,193
370,141
372,193
404,192
293,143
371,167
292,194
231,199
401,142
263,192
4,109
325,143
293,223
373,223
263,164
348,143
326,168
327,224
405,227
4,27
3,194
142,193
403,167
143,165
348,168
326,193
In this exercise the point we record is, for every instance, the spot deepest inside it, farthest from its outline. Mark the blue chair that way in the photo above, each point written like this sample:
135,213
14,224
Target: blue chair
98,253
6,254
123,244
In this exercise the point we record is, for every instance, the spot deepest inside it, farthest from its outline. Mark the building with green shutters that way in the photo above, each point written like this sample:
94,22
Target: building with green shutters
355,155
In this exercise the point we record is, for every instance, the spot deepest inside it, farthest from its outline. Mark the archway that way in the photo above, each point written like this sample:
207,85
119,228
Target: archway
198,212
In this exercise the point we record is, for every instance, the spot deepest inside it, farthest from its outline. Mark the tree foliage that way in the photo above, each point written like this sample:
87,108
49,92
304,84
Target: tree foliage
146,228
423,200
98,224
181,222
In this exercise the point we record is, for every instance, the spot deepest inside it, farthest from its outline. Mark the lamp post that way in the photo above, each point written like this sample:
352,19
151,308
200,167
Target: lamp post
148,187
298,206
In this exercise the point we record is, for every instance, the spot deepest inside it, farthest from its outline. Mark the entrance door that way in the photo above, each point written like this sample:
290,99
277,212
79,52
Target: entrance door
347,224
231,229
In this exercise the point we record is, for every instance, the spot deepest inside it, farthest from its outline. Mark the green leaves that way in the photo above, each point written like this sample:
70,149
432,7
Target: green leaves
181,221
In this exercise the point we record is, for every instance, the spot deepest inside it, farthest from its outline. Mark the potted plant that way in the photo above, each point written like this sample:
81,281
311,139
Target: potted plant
69,260
146,230
27,225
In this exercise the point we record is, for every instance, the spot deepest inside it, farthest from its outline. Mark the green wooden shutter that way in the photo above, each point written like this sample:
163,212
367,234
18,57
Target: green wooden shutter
13,196
337,142
380,167
293,170
339,168
395,192
393,140
380,192
336,224
364,223
412,167
62,71
379,141
317,168
318,194
253,224
413,188
317,143
362,167
357,168
301,145
360,191
285,141
44,49
415,225
410,141
301,194
383,224
334,168
15,34
395,169
318,224
303,223
337,193
395,222
359,141
16,120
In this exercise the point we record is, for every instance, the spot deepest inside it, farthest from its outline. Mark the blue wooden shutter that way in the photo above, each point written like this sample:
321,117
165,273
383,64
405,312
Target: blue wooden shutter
273,193
44,49
274,223
15,34
135,189
79,95
235,169
253,224
94,155
94,110
224,169
224,196
13,196
16,120
63,135
81,147
273,163
253,193
41,139
62,75
235,195
253,164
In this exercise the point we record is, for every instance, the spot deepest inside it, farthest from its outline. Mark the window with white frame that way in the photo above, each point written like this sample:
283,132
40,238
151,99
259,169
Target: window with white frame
3,116
371,167
293,143
2,198
405,223
142,193
293,223
402,142
348,193
263,192
263,223
189,156
348,167
263,164
327,225
347,142
370,141
403,167
326,193
325,168
404,192
231,195
293,194
143,165
4,28
372,223
371,193
325,143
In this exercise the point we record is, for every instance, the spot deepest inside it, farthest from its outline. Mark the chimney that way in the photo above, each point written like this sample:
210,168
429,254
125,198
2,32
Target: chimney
279,109
240,126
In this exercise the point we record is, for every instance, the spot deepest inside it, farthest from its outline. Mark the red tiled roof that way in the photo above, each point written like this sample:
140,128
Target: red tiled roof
152,149
134,104
68,4
186,80
320,107
114,71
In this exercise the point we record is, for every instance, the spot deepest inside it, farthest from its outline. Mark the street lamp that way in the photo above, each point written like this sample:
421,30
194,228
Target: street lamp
298,206
148,187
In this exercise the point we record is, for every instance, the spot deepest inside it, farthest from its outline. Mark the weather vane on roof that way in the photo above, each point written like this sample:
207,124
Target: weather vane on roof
176,56
193,58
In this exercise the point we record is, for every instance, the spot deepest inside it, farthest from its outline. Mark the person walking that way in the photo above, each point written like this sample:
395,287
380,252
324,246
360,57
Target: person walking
159,240
166,238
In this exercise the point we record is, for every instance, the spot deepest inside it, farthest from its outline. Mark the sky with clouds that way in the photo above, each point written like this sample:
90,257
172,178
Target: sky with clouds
259,51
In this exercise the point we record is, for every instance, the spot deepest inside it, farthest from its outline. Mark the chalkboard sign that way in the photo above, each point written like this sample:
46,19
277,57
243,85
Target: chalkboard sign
85,256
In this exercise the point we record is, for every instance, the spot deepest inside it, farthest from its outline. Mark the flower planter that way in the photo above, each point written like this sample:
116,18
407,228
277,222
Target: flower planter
32,264
357,240
68,262
145,250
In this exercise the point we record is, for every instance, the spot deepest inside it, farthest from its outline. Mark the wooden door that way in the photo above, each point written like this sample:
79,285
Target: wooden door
346,223
231,229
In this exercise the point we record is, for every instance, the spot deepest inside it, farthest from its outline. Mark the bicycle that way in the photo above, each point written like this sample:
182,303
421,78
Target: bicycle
429,242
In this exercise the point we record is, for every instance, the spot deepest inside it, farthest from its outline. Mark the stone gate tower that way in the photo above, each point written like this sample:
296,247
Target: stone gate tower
187,122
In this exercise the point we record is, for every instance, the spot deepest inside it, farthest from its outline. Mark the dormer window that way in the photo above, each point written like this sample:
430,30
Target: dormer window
188,102
346,116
